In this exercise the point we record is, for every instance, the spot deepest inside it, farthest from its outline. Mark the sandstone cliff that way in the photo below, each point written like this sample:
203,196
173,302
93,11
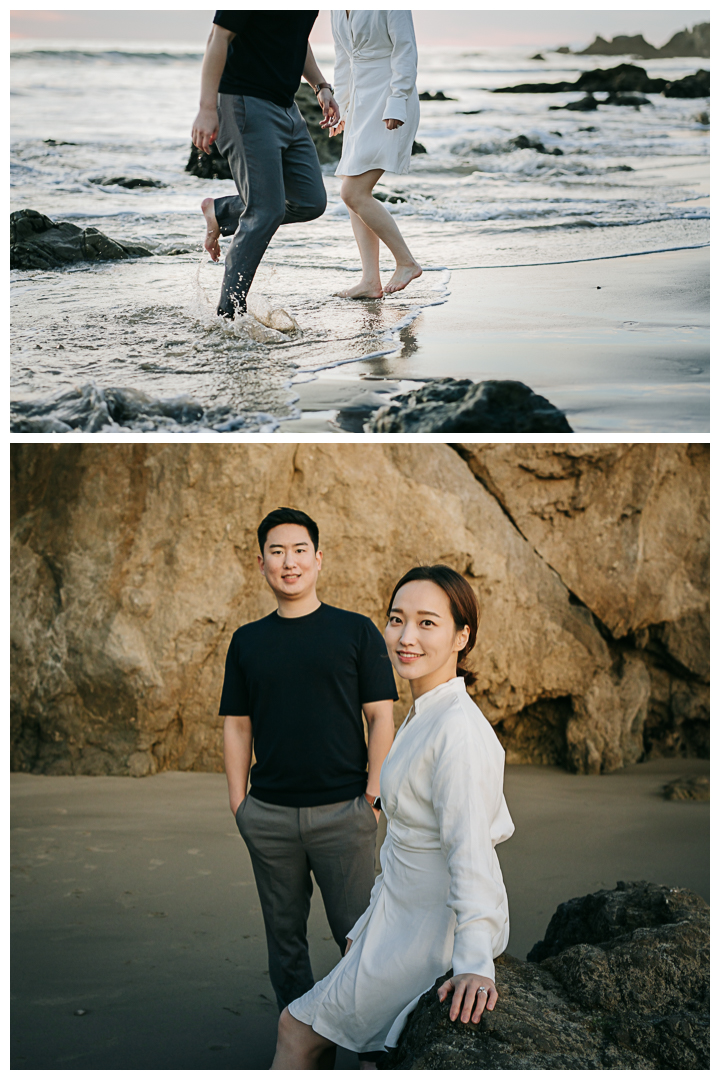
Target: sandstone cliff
133,564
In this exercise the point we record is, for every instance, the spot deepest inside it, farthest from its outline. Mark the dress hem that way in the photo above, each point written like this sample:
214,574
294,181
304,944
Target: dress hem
327,1034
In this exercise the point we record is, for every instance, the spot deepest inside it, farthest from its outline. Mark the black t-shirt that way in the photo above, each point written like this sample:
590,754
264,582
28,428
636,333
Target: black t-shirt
303,682
267,57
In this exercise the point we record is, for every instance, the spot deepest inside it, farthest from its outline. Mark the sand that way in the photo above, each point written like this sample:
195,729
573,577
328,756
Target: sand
134,901
619,344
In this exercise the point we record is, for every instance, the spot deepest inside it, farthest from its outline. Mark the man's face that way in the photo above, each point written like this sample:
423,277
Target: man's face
289,563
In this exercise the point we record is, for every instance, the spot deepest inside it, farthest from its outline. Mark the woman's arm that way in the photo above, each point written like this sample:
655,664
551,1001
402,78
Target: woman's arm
403,63
205,128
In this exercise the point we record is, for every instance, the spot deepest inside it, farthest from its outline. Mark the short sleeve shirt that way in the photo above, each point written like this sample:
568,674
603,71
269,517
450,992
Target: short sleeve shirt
267,56
303,683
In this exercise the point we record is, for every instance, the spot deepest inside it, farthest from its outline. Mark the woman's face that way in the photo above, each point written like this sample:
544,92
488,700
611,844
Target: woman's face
420,635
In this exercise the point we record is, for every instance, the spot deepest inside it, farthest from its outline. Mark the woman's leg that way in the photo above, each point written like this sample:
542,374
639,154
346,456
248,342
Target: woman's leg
370,286
299,1047
356,193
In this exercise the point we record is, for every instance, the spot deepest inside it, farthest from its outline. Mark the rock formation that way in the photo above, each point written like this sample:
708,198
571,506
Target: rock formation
133,564
37,243
695,42
460,405
627,78
621,981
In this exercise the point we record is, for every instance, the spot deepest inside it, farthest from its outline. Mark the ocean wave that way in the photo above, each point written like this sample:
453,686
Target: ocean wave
113,55
89,408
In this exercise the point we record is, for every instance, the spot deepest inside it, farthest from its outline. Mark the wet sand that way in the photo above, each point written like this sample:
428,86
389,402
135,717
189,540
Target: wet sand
134,901
618,344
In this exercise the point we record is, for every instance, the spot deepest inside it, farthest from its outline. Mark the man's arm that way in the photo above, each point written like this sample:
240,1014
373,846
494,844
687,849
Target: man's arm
206,125
238,741
328,104
381,732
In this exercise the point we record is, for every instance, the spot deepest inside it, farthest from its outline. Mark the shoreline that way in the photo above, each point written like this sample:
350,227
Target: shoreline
134,900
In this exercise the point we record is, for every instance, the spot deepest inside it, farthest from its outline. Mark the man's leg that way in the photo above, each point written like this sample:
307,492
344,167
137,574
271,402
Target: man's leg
252,136
305,195
282,875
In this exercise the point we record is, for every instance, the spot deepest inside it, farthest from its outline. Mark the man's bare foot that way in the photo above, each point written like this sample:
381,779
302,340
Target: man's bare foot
402,277
212,236
364,290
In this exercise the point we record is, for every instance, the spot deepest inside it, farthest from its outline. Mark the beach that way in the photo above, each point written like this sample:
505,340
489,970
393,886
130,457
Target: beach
509,235
137,934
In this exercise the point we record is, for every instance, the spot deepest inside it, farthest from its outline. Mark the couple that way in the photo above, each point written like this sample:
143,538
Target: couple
255,59
296,685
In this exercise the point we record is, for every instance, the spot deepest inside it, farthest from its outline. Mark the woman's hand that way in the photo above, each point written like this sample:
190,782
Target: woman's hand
347,947
476,990
205,129
392,124
338,129
330,108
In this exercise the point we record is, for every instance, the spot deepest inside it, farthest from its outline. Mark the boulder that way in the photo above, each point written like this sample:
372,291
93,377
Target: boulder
623,45
133,563
131,182
623,77
212,166
695,42
439,96
621,981
38,243
457,405
692,86
523,142
586,104
622,97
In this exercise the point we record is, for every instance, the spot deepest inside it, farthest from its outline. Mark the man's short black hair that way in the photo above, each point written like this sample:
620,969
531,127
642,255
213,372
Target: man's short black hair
286,515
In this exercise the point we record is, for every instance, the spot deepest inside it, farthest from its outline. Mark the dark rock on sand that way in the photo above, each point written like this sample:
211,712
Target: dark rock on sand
38,243
523,142
690,789
460,405
439,96
90,408
621,981
127,182
692,86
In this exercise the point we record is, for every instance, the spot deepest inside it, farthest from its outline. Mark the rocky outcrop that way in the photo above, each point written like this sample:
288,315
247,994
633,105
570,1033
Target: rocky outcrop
621,981
134,563
695,42
212,166
460,405
131,182
37,243
625,78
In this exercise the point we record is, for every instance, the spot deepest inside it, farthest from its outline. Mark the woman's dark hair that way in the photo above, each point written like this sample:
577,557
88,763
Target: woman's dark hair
463,604
286,515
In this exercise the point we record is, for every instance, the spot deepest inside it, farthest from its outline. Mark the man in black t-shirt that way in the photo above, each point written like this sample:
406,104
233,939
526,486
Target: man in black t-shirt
297,684
255,60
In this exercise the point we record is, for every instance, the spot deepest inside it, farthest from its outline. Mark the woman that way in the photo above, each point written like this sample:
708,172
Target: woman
440,899
375,73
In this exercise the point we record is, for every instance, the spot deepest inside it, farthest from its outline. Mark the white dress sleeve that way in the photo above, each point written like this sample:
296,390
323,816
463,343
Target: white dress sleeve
403,63
342,73
466,797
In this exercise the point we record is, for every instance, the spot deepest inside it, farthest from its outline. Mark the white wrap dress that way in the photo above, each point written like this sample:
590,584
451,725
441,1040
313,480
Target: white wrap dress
440,901
375,75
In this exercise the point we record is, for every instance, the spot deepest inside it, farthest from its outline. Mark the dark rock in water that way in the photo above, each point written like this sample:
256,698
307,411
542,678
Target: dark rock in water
38,243
58,142
695,42
692,86
523,142
460,405
624,98
564,50
623,45
127,182
702,118
537,56
627,77
691,789
418,148
89,408
212,166
621,981
439,96
386,196
586,104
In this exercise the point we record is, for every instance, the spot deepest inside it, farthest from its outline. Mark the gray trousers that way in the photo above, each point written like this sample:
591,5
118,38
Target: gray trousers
276,171
336,843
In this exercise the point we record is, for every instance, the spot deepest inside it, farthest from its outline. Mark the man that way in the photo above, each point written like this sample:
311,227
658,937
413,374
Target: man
296,686
255,59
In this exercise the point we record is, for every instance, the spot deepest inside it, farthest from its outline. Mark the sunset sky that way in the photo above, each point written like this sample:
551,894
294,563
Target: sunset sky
531,27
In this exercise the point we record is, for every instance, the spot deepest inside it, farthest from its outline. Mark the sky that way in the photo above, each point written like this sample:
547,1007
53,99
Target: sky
531,27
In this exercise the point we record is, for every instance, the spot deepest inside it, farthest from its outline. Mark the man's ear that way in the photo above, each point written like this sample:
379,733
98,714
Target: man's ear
261,565
319,559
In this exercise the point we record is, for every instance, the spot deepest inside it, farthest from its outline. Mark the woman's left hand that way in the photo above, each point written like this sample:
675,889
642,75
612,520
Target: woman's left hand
471,994
392,124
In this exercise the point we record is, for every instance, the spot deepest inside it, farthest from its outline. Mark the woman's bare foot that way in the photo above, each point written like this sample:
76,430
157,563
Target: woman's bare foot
403,276
364,290
212,236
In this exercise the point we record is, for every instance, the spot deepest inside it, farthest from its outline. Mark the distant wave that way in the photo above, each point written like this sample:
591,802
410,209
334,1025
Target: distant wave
116,55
